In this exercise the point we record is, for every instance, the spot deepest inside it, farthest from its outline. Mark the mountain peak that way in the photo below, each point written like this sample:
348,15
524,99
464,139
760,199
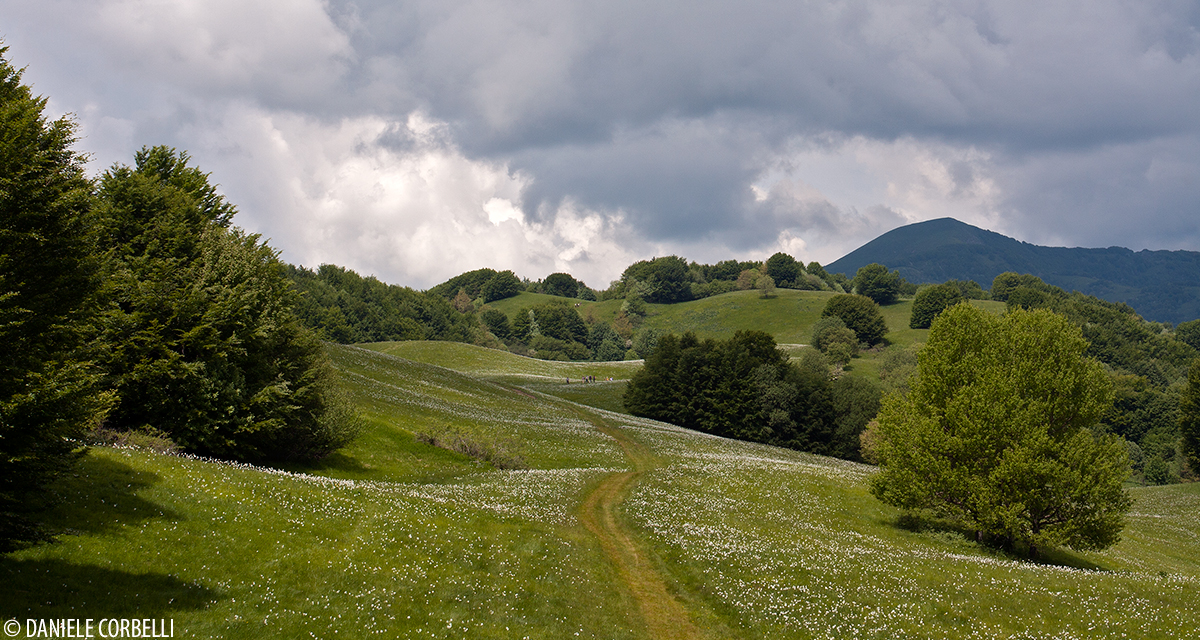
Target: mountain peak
1161,285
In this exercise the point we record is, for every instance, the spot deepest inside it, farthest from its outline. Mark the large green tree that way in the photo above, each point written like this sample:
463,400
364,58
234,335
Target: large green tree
931,301
1189,417
860,314
199,336
784,269
561,284
998,433
47,279
877,283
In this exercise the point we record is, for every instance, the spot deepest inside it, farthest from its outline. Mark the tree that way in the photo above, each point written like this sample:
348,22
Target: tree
1189,333
558,322
860,314
877,283
560,284
1189,416
784,269
48,276
666,279
496,322
998,433
645,341
503,285
767,285
931,301
1005,283
747,278
830,330
462,302
471,281
199,338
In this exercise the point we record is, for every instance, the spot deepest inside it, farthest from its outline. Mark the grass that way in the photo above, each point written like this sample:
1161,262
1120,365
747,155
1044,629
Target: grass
393,537
483,362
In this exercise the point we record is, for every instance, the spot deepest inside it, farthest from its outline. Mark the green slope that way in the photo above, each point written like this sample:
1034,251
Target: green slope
402,540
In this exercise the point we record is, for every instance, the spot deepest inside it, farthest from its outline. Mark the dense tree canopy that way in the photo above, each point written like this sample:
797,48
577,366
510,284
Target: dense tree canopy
1189,333
1004,284
1189,416
48,276
504,284
784,269
472,282
199,338
344,307
746,388
877,283
931,301
666,279
999,432
561,284
860,314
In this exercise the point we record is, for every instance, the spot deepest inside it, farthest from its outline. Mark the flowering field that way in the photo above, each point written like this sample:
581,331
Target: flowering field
395,538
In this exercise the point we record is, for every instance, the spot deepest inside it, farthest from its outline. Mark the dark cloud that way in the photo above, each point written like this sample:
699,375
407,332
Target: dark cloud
703,126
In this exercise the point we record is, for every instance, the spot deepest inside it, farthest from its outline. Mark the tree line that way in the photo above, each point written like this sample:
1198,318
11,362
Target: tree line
130,303
747,388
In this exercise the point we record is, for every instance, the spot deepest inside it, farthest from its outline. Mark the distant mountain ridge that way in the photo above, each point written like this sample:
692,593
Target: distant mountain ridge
1161,285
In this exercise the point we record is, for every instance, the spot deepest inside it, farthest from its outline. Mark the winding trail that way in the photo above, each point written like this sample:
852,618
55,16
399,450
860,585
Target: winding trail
665,617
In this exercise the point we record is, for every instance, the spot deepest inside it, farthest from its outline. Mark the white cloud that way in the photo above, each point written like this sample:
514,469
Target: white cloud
398,200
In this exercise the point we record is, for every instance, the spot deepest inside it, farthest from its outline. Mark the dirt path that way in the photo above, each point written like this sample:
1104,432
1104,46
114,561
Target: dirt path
665,618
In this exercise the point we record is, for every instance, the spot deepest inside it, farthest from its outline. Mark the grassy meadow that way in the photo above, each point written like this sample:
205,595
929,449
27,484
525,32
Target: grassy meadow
392,537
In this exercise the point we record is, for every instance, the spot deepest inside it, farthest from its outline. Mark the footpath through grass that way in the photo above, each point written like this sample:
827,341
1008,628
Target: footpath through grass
394,538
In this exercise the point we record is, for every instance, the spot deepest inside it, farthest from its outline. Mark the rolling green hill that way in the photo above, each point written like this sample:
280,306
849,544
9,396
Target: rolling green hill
1161,285
619,528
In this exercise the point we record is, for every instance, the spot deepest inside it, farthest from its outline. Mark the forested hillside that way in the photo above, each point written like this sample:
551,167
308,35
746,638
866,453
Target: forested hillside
1160,285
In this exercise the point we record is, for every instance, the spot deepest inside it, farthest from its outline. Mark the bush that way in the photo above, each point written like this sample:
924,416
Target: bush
860,314
841,352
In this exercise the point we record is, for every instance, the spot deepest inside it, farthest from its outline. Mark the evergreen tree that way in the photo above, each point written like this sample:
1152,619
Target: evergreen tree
47,282
199,336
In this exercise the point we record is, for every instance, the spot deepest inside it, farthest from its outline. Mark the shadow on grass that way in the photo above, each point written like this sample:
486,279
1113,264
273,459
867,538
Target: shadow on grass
52,588
336,461
960,535
100,494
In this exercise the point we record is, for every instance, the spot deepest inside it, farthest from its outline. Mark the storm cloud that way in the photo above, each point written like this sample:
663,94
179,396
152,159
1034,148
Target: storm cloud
415,140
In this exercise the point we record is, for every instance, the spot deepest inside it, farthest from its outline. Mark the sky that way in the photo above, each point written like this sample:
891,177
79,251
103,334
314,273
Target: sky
416,140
